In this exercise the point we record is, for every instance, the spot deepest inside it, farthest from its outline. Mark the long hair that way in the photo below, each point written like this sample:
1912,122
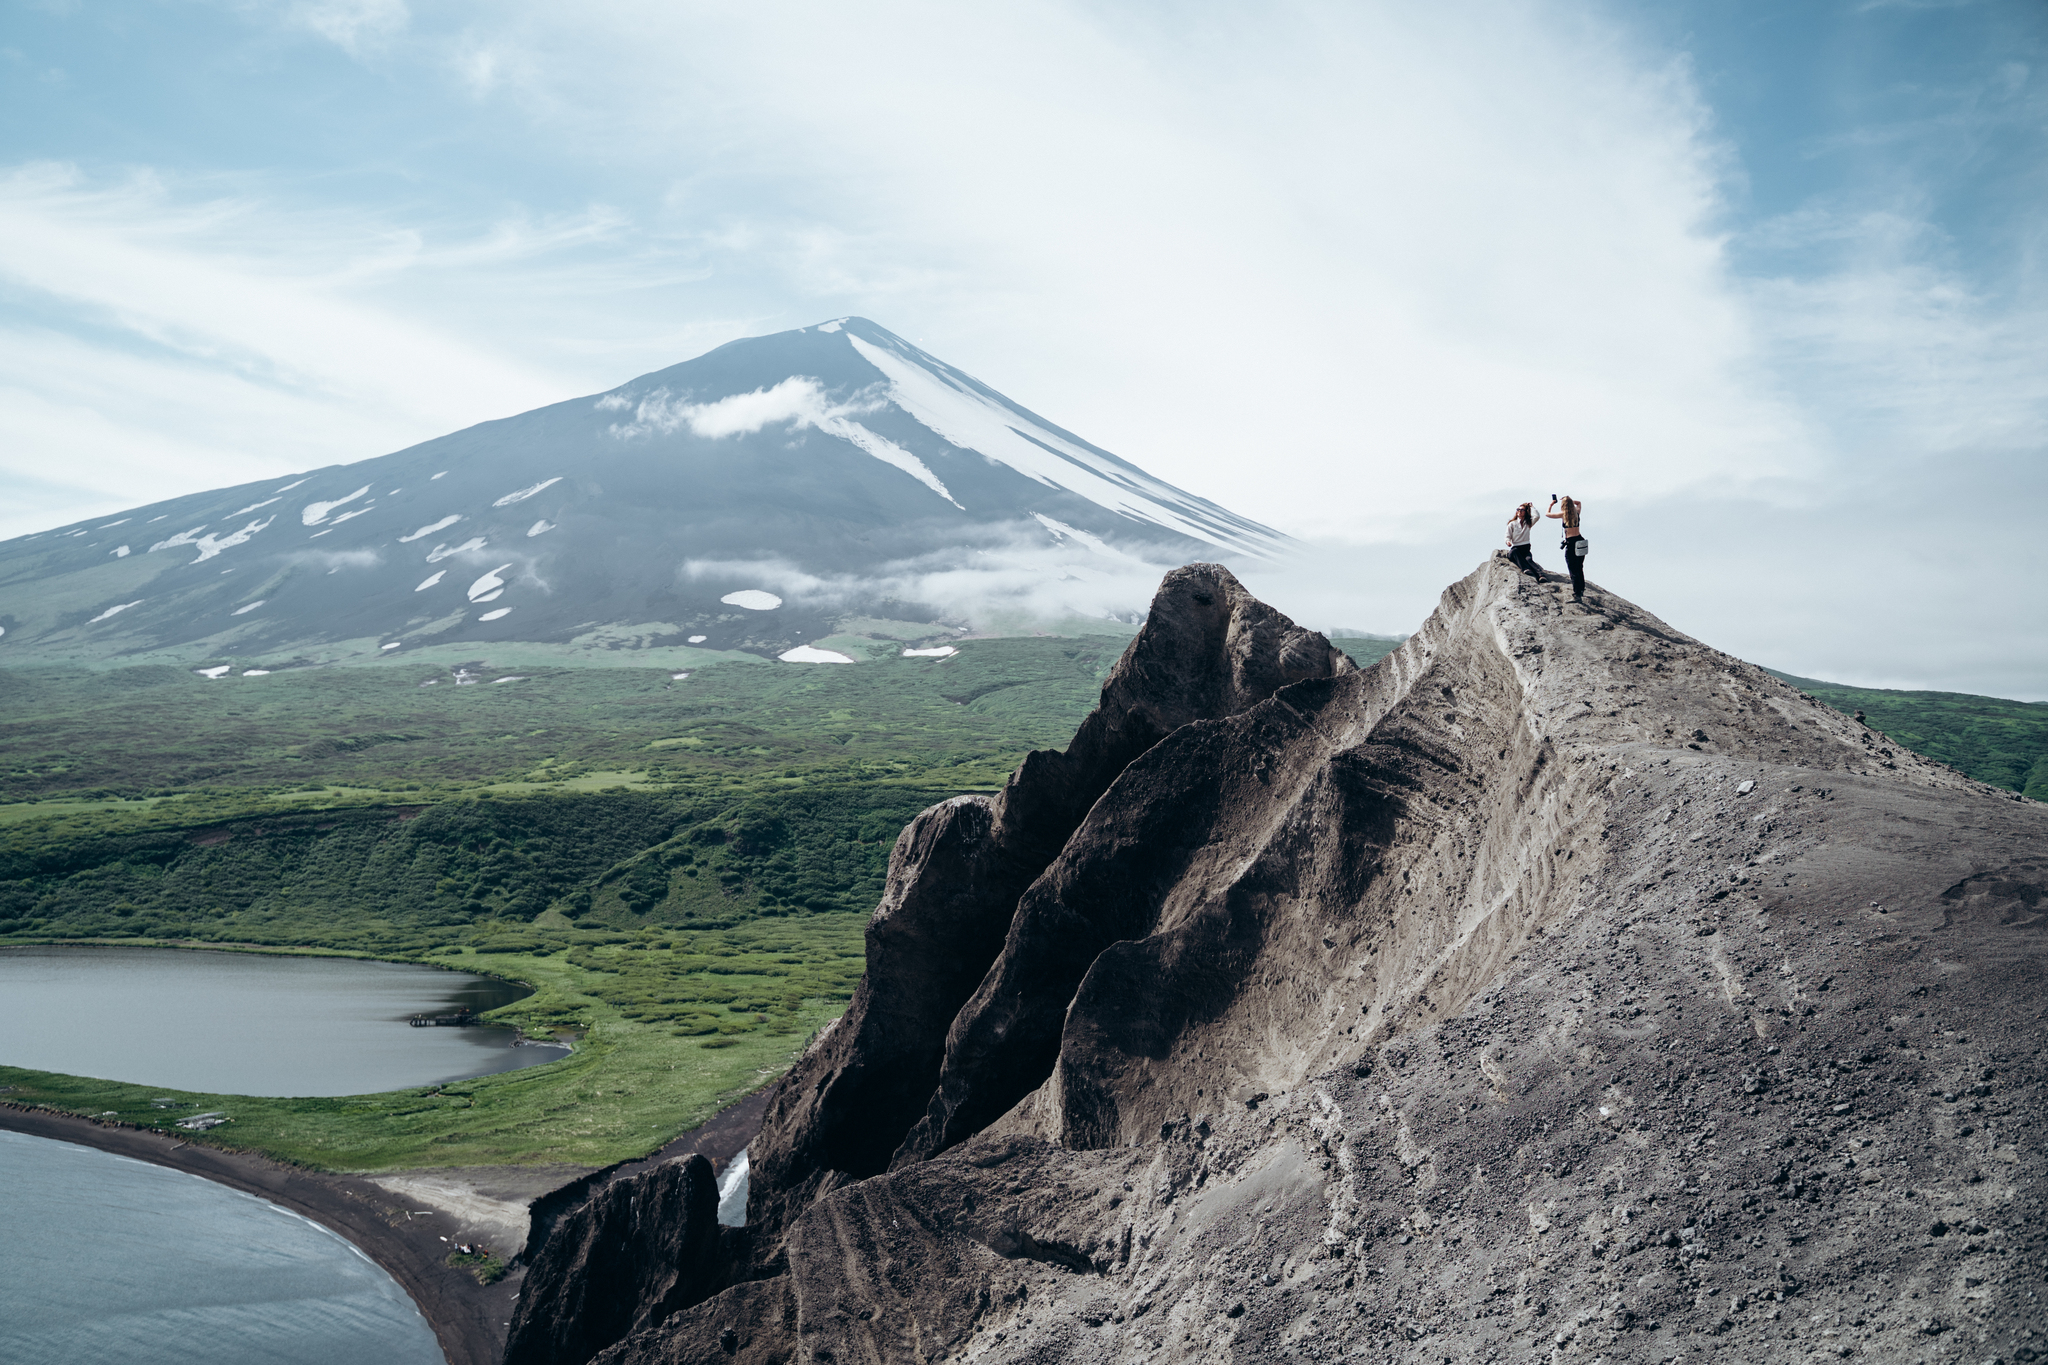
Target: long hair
1571,510
1526,514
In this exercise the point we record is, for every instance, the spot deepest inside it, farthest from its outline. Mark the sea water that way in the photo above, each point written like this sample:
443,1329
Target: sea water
107,1259
248,1023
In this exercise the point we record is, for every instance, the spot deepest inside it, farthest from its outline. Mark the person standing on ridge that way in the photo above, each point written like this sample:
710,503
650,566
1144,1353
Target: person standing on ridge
1519,523
1567,509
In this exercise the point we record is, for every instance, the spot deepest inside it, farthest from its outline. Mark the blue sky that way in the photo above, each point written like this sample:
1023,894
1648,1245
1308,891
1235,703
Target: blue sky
1761,282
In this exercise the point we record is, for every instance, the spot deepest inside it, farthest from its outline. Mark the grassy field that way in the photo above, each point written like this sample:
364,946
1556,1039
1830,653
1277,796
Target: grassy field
681,867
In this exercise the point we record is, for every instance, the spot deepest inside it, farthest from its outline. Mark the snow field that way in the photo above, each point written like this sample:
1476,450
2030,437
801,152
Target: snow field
942,652
251,607
805,654
494,615
753,599
972,421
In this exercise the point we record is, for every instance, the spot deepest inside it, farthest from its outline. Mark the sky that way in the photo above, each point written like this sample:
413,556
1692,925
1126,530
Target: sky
1763,284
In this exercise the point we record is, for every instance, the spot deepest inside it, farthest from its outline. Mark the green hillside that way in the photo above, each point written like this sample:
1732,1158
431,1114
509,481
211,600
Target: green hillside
1994,740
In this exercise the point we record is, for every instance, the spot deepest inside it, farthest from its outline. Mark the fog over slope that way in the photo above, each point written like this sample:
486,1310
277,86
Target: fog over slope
750,499
1558,988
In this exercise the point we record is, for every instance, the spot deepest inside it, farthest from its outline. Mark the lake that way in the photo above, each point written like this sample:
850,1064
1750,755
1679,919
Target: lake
109,1259
247,1023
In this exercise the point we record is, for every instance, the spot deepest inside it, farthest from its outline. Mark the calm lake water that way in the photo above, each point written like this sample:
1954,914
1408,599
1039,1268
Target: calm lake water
245,1024
111,1260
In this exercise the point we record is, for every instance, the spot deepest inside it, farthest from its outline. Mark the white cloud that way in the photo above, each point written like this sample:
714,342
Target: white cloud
1366,272
352,25
198,341
799,400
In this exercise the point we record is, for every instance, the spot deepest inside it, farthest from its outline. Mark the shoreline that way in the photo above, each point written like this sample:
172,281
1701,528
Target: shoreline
469,1320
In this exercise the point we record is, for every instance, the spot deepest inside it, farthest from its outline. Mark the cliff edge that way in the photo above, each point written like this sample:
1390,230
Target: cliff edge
1558,985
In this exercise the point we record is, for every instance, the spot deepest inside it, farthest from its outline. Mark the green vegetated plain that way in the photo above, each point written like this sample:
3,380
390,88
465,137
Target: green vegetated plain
681,868
2004,743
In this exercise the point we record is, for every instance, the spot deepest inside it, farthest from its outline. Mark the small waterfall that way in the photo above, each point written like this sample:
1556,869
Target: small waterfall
732,1193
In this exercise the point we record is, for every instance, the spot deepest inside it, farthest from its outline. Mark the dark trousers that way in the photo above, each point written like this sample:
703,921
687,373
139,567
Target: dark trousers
1525,560
1576,564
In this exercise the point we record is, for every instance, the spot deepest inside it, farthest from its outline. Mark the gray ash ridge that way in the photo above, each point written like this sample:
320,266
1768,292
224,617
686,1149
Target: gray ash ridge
837,468
1557,988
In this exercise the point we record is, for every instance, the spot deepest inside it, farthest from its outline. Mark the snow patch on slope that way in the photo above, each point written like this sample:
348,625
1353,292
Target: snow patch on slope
489,586
316,512
116,611
1061,531
209,546
523,494
753,599
425,531
805,654
441,552
972,421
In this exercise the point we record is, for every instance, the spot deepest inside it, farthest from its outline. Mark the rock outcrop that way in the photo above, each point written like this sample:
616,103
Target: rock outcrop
624,1262
1557,986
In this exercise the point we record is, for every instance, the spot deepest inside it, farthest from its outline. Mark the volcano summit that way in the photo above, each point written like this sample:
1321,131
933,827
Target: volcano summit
751,499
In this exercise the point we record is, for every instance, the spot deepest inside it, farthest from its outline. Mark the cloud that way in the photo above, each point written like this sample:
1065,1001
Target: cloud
173,340
1011,576
1365,272
798,400
352,25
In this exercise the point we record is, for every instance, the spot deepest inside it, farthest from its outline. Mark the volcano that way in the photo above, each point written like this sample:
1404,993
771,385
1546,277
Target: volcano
753,500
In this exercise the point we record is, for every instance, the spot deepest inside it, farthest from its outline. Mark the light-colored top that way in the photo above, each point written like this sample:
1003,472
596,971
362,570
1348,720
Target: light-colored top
1518,534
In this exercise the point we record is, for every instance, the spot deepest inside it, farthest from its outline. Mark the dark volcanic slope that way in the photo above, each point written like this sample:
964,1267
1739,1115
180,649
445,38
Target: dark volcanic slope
1557,987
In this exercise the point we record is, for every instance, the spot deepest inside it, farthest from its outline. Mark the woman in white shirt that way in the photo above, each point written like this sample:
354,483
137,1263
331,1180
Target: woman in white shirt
1518,541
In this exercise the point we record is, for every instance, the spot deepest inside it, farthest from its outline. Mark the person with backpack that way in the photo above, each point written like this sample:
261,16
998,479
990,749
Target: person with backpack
1567,509
1524,558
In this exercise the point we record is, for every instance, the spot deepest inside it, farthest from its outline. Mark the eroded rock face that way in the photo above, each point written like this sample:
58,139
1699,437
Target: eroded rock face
624,1262
1209,649
1558,985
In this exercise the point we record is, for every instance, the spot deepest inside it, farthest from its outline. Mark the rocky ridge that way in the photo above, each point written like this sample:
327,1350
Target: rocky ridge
1558,987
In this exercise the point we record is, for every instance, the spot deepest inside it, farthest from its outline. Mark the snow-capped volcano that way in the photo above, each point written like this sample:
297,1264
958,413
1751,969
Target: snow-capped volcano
748,499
